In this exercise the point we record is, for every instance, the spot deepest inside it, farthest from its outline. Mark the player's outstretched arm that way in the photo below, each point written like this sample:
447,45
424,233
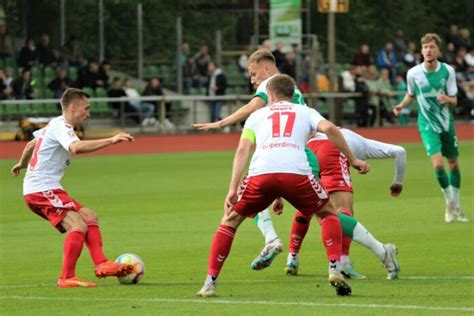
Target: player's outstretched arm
240,160
25,158
238,116
88,146
398,108
336,137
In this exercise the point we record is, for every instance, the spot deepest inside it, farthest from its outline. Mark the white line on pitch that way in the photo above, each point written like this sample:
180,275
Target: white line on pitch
13,286
230,302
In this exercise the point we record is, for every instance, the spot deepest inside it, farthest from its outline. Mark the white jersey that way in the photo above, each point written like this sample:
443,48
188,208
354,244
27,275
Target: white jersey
281,131
50,157
364,149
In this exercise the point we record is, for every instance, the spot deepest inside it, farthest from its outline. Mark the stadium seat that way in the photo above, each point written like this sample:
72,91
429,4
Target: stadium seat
100,107
72,72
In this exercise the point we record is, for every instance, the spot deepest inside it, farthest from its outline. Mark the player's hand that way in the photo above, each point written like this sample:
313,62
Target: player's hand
122,137
277,206
443,98
16,169
396,189
362,166
206,126
230,201
396,109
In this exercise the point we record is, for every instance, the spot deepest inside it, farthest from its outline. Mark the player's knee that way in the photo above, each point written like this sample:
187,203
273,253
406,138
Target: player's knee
438,165
453,165
89,216
301,220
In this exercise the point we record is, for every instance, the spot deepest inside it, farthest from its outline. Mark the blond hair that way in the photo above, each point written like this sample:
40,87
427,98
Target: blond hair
282,86
71,95
428,37
261,55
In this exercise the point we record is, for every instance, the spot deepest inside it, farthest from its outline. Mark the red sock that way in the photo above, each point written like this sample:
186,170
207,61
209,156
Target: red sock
94,243
72,250
299,228
220,249
331,233
346,241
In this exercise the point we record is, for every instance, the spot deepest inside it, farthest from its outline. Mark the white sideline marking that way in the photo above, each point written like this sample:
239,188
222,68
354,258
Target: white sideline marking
421,277
217,301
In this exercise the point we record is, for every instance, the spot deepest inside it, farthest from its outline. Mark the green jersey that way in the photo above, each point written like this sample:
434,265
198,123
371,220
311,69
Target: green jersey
427,86
262,93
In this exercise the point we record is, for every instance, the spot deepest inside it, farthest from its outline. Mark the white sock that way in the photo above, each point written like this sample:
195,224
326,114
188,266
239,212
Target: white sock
455,197
265,224
362,236
447,194
211,280
345,261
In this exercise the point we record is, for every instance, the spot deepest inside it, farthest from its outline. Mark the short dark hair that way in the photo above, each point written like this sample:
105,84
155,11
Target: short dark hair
261,55
282,86
72,94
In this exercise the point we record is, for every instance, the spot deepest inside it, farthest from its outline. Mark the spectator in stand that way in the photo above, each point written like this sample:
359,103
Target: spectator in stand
59,84
362,57
453,36
242,63
189,72
465,37
203,53
362,109
411,56
216,87
184,53
23,87
347,80
267,44
71,54
371,79
386,93
200,76
90,77
153,88
301,73
469,59
399,44
117,91
46,56
5,90
279,56
146,110
104,73
6,42
387,59
289,66
28,54
8,76
450,54
460,65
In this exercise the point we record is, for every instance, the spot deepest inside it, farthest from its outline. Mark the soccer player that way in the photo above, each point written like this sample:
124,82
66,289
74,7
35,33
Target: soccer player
46,158
279,168
262,68
434,85
336,179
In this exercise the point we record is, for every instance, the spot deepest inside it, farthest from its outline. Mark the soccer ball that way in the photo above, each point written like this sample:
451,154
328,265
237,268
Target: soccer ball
138,271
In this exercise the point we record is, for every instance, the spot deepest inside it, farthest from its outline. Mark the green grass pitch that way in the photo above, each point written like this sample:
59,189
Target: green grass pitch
166,208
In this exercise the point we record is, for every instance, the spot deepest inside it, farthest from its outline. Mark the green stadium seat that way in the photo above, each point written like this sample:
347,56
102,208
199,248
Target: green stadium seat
100,107
72,72
151,71
89,91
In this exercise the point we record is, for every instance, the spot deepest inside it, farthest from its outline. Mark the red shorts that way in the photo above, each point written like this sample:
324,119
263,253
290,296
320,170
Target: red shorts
303,192
334,166
52,205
